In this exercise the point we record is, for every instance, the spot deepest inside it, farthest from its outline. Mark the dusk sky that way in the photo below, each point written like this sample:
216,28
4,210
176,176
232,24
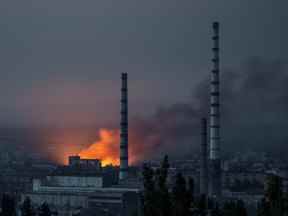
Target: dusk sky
61,60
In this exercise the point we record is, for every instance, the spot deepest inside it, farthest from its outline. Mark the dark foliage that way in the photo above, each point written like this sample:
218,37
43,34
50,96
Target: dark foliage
44,210
181,197
156,196
158,200
263,208
149,198
163,196
275,202
26,208
235,208
246,185
8,205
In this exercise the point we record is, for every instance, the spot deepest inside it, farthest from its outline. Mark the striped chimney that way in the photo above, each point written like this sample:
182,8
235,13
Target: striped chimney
215,160
124,129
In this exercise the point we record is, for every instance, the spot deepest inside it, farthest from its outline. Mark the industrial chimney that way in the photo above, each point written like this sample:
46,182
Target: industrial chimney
204,159
215,159
124,129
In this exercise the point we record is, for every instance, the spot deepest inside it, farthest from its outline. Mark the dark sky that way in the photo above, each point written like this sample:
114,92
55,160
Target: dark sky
60,60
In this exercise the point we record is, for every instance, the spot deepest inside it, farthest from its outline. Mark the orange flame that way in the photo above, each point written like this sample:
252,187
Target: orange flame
106,148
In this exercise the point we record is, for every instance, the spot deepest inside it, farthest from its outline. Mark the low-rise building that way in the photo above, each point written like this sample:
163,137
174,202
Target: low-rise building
70,190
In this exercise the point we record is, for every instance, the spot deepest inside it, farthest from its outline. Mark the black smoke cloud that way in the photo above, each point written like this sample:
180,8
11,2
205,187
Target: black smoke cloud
254,110
170,130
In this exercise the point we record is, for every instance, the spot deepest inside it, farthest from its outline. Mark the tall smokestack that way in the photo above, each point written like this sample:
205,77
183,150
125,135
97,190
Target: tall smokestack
204,158
215,159
124,129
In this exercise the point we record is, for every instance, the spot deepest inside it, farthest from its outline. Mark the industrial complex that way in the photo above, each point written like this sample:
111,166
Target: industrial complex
86,187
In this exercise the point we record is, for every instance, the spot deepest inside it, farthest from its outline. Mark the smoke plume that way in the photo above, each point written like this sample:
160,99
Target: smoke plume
254,104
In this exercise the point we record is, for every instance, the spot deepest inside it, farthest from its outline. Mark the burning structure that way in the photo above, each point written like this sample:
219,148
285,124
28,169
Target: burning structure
84,183
77,161
106,148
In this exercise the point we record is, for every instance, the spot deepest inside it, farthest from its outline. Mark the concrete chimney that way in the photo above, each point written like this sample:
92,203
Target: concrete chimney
124,129
204,159
215,160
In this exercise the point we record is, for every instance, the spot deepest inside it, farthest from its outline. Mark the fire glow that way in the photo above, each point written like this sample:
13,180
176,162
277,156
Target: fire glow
106,148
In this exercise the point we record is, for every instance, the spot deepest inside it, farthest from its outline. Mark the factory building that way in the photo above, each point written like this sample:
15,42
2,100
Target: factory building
76,161
70,190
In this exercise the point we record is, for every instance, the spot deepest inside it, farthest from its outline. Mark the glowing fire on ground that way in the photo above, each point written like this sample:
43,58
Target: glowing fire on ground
106,148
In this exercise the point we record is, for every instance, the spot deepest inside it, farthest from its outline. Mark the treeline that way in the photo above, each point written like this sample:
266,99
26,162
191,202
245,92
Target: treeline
161,200
275,201
245,185
158,200
8,206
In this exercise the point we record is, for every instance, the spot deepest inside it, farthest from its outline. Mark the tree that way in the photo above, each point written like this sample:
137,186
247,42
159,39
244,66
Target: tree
26,208
273,188
274,195
240,209
44,210
158,200
274,202
234,207
149,191
216,210
191,189
263,208
228,208
163,172
202,205
181,197
162,193
8,205
156,197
